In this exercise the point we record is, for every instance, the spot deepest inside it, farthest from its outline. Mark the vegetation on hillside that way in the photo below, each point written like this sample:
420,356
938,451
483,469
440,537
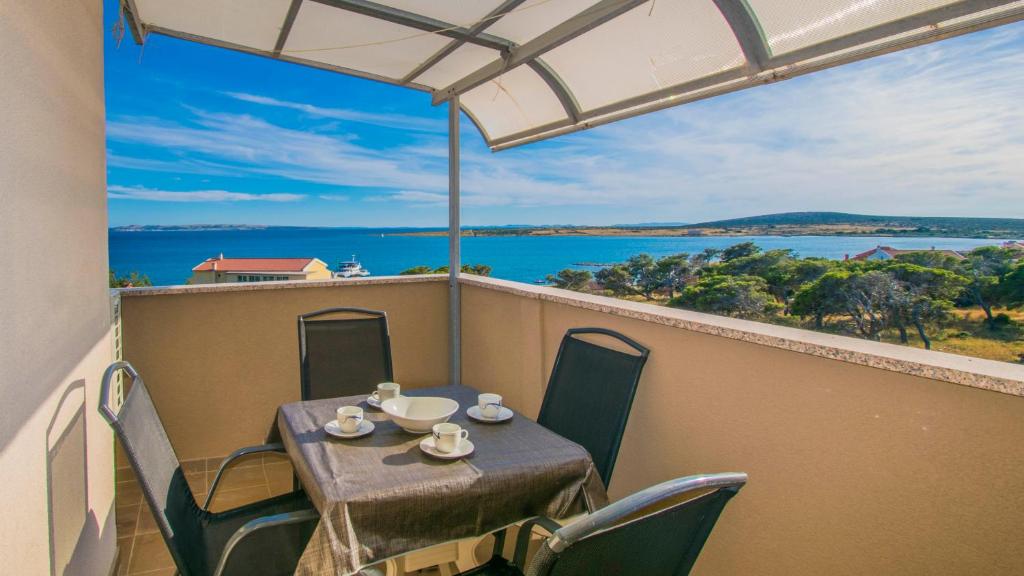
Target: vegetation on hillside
786,224
132,280
478,269
957,227
917,298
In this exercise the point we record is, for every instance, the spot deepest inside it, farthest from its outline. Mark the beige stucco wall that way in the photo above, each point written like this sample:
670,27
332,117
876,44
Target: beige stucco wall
219,362
56,454
853,469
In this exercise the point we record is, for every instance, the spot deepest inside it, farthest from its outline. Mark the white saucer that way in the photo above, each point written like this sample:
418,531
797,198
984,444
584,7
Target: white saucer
428,446
365,427
503,415
374,402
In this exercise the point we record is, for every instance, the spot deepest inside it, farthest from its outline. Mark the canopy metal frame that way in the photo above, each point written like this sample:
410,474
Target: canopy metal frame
760,66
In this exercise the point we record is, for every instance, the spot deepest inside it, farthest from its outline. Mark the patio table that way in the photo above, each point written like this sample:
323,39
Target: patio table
380,496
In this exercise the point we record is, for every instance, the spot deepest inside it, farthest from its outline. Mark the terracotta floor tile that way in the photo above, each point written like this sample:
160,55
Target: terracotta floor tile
127,493
241,462
196,481
127,518
229,499
124,546
271,458
146,523
279,477
124,474
235,478
149,553
194,466
160,572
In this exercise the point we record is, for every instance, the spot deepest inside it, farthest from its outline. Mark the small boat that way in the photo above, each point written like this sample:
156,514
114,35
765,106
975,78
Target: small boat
351,269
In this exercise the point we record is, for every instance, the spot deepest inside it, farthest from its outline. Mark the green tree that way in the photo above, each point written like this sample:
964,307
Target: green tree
704,257
867,298
739,251
646,276
773,265
570,279
640,275
675,272
925,296
478,269
930,259
132,280
1011,286
983,267
740,296
616,279
416,270
821,298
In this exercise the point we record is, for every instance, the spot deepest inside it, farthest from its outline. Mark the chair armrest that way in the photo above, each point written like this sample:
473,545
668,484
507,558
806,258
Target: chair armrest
523,539
264,523
231,458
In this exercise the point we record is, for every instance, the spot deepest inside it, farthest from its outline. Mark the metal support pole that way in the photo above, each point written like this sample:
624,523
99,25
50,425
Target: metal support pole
454,240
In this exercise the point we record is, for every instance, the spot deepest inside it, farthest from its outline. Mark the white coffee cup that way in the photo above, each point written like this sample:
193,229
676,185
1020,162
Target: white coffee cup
448,436
350,418
489,405
386,391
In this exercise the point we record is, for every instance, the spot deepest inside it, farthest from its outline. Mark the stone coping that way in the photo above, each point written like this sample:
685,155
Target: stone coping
992,375
283,285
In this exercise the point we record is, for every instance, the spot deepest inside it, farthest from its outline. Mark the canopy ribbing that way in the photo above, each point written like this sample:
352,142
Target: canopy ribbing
526,70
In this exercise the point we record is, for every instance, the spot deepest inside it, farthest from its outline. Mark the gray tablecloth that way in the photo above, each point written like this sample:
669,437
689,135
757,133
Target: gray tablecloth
379,496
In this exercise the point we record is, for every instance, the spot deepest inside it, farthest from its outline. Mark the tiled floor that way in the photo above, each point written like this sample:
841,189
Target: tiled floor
249,479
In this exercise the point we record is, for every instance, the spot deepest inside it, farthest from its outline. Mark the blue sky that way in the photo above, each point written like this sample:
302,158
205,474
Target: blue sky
197,134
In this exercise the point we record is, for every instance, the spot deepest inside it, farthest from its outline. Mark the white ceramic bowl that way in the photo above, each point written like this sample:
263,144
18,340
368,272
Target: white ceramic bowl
419,414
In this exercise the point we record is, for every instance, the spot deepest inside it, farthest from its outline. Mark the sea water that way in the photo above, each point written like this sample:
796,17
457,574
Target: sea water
167,257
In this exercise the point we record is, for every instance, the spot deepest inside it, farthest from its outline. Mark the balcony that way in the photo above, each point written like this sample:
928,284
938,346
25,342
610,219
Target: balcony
862,456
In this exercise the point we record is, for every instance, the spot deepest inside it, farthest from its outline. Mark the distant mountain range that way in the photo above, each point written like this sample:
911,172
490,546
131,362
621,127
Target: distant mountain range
784,224
873,224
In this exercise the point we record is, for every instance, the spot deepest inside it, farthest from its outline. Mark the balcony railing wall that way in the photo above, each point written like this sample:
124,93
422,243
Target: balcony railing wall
853,469
219,360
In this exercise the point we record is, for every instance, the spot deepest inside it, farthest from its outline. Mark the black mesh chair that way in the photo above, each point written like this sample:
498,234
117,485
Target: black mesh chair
343,356
264,538
659,531
590,394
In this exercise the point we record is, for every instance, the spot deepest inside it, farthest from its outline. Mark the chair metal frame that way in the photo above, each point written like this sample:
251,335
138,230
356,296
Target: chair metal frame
110,414
613,515
304,361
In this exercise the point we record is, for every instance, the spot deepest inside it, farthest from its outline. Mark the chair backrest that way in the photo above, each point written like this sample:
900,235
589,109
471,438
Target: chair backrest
659,530
343,352
590,394
159,473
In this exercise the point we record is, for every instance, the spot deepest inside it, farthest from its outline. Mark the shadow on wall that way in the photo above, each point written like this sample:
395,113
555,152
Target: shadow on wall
74,528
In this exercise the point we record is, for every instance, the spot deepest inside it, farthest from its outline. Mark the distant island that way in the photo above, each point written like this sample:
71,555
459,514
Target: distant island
785,224
190,227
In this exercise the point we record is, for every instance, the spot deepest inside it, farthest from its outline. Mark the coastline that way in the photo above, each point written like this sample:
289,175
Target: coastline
688,232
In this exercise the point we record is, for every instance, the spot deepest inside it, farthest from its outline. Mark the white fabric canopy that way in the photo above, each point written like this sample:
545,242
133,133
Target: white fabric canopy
526,70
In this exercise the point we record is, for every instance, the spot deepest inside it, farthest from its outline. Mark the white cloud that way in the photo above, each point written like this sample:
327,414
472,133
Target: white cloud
398,121
140,193
931,131
253,147
334,197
